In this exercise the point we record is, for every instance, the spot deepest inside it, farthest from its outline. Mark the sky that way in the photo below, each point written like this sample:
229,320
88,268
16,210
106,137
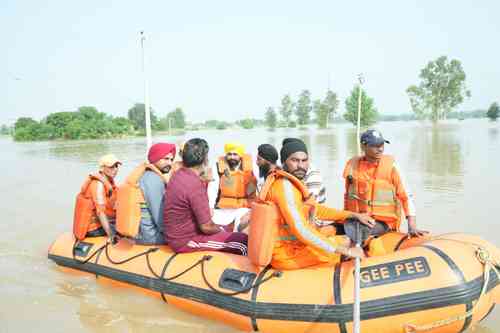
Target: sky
230,60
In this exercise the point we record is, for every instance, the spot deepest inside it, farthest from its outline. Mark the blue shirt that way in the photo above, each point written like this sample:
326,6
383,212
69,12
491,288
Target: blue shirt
151,228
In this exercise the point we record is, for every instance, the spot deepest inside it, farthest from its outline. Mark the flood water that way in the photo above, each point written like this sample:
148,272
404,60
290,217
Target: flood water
453,169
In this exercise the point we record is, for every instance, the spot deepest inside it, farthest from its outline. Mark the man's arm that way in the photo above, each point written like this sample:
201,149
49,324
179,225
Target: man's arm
405,196
198,200
153,188
289,200
213,187
98,197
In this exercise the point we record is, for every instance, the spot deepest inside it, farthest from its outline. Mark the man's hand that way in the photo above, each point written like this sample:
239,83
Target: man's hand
412,228
244,222
364,218
355,252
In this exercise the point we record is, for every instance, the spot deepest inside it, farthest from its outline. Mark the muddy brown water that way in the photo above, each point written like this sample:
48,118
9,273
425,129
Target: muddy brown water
453,169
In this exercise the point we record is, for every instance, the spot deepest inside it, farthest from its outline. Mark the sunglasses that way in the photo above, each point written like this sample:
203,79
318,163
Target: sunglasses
115,166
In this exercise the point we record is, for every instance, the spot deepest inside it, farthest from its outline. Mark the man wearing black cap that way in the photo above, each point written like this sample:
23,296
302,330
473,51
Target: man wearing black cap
312,177
374,185
267,156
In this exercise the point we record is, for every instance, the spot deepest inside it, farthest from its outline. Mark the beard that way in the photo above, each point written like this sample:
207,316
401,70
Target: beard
264,170
166,169
233,163
299,173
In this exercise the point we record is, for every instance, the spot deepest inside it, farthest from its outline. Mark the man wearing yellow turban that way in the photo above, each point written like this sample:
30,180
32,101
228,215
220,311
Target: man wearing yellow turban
233,190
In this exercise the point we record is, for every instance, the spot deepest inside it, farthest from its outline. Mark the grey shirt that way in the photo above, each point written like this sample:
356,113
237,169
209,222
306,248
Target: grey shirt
151,228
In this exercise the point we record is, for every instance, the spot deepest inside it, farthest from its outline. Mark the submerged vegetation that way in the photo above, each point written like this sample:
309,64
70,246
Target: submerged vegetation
441,90
86,123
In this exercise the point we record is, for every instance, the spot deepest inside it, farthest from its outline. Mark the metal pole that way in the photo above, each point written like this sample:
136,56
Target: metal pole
357,261
147,114
360,78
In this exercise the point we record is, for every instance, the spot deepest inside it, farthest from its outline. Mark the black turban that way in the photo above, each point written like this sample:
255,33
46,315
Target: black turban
290,146
268,152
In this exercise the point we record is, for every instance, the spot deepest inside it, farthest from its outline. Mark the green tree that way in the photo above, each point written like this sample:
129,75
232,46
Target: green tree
271,119
442,88
136,115
246,123
321,113
24,122
331,103
176,119
369,113
303,108
34,131
493,111
326,110
286,109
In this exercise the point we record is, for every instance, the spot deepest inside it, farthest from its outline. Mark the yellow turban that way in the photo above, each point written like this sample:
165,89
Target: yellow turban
234,147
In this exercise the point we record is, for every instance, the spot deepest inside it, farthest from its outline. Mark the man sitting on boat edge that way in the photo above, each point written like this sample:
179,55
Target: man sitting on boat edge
374,184
140,201
95,213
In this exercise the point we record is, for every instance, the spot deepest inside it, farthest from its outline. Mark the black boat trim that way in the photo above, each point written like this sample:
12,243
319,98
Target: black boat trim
255,291
417,301
460,275
337,294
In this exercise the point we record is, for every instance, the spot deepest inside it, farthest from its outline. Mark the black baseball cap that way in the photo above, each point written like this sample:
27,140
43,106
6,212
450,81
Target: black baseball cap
372,137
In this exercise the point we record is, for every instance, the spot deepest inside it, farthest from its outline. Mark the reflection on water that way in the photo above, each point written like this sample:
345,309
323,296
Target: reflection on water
352,141
437,151
451,167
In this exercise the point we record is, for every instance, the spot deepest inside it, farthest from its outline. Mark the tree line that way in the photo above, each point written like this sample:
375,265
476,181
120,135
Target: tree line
292,113
440,91
88,123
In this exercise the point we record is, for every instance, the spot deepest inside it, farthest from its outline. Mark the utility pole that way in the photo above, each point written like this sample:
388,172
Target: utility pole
146,95
360,91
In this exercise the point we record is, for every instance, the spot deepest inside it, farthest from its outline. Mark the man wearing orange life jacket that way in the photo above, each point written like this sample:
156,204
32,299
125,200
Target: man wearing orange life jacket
299,243
374,185
234,187
141,197
95,204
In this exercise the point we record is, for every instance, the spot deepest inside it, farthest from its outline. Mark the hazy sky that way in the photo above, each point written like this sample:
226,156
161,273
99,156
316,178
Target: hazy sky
231,59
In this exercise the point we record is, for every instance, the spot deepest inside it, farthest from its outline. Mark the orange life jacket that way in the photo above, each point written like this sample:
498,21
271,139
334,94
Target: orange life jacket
373,195
85,217
131,205
235,187
268,232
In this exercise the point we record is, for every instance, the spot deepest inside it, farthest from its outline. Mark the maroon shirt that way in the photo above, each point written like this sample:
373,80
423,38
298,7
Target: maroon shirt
186,207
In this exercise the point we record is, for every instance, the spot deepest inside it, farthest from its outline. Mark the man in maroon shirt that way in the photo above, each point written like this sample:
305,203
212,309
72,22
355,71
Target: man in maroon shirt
187,217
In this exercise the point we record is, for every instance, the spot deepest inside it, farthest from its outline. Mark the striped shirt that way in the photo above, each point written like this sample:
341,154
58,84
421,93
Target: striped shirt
315,185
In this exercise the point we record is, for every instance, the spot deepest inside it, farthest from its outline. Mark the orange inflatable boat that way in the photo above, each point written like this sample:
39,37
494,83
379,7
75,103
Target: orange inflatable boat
443,284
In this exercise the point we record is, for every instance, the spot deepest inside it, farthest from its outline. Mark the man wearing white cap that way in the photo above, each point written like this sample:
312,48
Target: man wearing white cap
95,204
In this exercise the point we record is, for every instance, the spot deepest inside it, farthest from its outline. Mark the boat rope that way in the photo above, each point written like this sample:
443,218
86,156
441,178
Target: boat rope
162,277
153,249
484,257
242,291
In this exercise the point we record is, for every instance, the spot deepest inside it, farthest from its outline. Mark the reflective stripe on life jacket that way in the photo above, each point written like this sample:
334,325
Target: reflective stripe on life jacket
268,231
131,206
85,217
235,186
375,195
